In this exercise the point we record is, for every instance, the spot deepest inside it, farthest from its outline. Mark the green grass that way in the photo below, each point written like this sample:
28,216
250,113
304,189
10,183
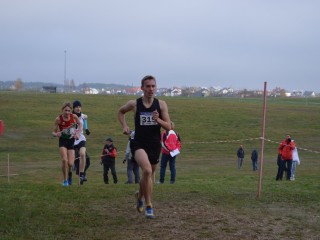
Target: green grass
211,198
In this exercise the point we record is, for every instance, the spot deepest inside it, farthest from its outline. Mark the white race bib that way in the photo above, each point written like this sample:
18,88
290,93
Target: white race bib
146,119
69,132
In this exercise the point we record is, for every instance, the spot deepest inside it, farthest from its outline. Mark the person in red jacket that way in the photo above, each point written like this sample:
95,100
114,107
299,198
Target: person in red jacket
171,146
108,160
285,149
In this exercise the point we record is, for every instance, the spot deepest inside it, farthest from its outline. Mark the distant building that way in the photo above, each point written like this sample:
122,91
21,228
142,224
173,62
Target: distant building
309,94
176,92
91,91
49,89
205,92
297,93
132,90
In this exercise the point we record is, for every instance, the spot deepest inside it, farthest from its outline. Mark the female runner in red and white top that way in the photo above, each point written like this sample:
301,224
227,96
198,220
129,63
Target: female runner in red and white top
67,127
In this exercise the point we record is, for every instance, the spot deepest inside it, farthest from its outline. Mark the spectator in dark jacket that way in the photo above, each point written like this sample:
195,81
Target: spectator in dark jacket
108,160
254,158
240,154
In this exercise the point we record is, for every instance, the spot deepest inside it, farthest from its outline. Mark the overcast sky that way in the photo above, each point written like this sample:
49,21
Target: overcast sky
227,43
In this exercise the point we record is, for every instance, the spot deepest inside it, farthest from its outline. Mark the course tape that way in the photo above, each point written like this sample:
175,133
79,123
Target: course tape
223,141
235,140
299,148
248,139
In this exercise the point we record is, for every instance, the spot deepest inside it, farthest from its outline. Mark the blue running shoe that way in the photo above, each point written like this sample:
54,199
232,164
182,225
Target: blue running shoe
70,180
65,183
139,202
149,212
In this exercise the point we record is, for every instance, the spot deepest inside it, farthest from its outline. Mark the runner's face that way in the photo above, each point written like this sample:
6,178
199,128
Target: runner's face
66,111
149,88
77,109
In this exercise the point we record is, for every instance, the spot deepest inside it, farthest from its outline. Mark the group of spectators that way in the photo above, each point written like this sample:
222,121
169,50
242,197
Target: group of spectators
287,159
254,158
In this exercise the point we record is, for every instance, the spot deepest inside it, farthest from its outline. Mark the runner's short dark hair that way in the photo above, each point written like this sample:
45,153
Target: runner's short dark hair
145,78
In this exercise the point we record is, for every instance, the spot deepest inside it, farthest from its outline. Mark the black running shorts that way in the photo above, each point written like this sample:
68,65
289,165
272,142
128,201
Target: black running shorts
67,143
152,149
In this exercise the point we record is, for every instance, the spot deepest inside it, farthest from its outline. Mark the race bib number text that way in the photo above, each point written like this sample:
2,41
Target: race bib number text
146,119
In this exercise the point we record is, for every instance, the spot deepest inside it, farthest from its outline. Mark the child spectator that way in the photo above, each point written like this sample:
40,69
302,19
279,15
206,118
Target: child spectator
295,162
108,160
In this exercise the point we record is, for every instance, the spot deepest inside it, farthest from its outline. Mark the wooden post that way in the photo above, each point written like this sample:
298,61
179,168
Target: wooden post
262,139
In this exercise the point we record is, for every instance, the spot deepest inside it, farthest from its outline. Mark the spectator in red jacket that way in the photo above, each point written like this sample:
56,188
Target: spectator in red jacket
171,146
285,149
108,160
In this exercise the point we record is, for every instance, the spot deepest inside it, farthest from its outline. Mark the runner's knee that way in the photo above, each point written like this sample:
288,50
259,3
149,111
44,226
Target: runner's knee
147,172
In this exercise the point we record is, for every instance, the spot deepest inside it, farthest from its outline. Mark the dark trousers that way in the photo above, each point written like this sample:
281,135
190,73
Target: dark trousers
172,164
109,164
284,165
255,164
288,165
281,168
133,167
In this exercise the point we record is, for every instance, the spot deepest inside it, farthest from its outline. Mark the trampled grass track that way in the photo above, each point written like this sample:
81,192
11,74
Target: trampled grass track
211,199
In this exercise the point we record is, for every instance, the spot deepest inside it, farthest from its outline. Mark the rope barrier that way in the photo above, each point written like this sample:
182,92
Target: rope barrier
249,139
299,148
202,142
224,141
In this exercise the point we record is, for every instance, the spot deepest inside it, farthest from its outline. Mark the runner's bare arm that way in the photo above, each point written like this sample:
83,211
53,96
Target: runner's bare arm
129,106
164,122
55,131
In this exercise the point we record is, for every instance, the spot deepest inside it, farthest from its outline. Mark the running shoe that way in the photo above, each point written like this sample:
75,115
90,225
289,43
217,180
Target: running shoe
139,202
81,180
149,212
65,183
70,180
85,177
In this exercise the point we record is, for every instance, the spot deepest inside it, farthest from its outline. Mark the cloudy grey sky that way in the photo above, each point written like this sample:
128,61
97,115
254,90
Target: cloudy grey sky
227,43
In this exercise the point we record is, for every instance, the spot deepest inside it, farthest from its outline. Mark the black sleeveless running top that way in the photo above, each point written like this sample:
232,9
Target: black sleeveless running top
146,129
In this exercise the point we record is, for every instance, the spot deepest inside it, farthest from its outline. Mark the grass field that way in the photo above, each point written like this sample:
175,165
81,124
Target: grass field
211,199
